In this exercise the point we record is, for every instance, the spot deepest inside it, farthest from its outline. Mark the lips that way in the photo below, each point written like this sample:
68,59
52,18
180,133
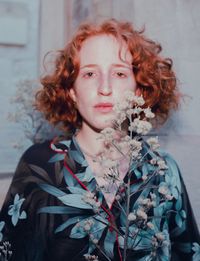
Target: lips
104,107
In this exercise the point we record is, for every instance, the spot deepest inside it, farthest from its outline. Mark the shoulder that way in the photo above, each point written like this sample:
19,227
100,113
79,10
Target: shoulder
36,155
170,162
37,152
43,158
172,175
42,153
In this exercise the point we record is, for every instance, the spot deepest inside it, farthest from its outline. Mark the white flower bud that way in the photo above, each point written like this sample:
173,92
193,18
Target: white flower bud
141,214
163,190
153,143
160,236
148,113
150,225
162,165
169,197
131,216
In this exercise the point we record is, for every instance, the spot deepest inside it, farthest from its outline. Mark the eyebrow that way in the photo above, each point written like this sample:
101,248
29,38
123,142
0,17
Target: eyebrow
116,65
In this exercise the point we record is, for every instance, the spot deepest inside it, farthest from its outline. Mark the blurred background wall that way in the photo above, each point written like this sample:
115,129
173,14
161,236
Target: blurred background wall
31,28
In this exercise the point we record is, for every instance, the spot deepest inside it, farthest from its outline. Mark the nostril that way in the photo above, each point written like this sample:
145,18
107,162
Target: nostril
105,90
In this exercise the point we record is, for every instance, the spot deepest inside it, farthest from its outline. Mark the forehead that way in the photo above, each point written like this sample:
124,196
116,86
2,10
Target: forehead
104,48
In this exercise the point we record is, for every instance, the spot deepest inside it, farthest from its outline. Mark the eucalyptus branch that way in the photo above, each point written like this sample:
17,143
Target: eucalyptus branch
99,248
110,224
141,189
120,207
118,149
127,221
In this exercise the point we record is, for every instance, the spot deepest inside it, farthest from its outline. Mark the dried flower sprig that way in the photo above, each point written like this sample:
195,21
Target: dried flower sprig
135,181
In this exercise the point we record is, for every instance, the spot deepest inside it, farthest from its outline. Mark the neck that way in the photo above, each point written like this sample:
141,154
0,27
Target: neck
89,141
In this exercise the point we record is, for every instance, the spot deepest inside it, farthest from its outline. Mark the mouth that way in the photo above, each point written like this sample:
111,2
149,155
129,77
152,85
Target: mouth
104,107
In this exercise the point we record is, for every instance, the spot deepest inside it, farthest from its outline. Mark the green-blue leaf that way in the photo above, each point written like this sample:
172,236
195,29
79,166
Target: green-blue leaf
88,175
60,210
109,243
57,157
183,213
179,221
69,222
69,179
52,190
178,230
76,156
75,200
41,172
75,190
178,204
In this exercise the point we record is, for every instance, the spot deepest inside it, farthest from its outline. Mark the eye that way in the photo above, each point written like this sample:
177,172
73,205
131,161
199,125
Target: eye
121,74
89,75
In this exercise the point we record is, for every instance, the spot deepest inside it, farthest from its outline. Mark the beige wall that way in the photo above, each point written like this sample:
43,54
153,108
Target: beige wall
53,27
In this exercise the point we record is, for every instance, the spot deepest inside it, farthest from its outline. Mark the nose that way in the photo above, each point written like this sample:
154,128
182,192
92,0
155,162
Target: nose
105,87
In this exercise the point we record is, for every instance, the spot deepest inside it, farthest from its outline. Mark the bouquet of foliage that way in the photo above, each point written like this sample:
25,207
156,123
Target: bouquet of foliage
135,180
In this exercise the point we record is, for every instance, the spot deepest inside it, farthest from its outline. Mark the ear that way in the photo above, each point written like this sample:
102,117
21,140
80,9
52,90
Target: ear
72,94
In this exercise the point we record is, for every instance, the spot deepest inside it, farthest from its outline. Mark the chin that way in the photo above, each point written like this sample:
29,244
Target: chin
100,126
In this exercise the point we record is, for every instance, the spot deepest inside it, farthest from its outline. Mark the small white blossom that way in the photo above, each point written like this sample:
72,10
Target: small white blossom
109,163
162,165
144,201
141,214
153,143
152,195
163,190
153,161
165,243
135,144
90,198
129,112
139,100
131,216
95,241
88,224
129,96
121,117
121,107
148,113
137,110
169,197
123,145
118,197
108,134
150,225
140,126
91,257
147,202
144,177
160,236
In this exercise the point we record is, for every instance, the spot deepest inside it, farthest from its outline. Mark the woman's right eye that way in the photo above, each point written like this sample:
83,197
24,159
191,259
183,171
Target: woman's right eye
88,74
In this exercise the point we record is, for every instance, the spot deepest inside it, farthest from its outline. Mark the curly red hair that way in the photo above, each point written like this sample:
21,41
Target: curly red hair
155,78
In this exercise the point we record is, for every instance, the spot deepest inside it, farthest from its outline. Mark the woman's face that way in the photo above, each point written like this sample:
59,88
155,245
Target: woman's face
102,80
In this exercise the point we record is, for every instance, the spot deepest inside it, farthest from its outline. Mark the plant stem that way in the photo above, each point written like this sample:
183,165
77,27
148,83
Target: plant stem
127,221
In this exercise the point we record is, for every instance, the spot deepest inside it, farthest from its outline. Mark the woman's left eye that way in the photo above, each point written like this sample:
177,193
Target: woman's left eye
121,74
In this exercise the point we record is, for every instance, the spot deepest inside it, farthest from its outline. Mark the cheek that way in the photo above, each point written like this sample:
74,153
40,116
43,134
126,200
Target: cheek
84,98
123,86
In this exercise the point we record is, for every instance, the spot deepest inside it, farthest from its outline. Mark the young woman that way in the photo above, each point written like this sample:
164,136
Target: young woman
103,193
